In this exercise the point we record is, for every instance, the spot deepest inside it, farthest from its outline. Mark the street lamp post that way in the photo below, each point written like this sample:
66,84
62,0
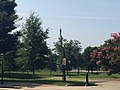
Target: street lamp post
63,65
87,76
87,81
63,57
2,69
1,57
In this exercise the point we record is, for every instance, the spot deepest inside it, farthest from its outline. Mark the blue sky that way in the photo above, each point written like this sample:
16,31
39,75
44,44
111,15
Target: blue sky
89,21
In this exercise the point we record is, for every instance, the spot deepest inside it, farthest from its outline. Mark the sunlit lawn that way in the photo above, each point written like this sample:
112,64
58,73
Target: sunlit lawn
55,78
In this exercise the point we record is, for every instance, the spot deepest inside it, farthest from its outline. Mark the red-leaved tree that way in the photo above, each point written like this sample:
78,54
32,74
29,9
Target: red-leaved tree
108,54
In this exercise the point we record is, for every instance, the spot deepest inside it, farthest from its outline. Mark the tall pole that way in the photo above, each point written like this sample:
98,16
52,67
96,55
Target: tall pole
87,76
1,57
2,73
63,56
2,70
87,81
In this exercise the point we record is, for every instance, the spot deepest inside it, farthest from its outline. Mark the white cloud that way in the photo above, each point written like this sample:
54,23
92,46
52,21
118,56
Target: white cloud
88,17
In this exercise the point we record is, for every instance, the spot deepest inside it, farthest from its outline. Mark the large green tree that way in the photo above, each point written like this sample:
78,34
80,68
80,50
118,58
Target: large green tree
34,43
7,25
8,39
72,50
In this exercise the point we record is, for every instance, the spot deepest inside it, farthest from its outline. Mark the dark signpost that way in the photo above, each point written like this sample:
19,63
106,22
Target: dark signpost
63,57
63,65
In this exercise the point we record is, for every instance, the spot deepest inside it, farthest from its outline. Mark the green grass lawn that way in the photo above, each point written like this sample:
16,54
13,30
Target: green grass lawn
44,77
95,75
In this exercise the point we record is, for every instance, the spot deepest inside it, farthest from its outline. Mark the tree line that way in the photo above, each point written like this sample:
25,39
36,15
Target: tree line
27,49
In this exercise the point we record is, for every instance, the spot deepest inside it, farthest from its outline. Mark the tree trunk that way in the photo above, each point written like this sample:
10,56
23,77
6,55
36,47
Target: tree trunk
67,72
9,72
27,72
50,72
78,71
33,71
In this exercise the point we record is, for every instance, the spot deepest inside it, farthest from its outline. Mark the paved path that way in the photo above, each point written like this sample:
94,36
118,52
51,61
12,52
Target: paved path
102,85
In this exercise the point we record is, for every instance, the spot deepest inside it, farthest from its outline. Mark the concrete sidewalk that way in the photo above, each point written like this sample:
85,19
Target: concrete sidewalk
105,85
102,85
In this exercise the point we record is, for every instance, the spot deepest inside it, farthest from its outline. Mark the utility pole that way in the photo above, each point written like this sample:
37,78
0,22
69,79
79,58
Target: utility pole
63,56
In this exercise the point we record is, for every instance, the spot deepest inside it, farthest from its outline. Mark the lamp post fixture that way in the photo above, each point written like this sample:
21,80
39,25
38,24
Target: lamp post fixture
63,56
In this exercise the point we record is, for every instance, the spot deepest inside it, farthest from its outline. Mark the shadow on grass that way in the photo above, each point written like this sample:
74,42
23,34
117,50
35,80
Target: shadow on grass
19,76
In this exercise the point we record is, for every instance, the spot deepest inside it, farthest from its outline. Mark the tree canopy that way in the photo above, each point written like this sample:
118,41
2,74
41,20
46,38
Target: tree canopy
108,54
34,43
72,52
8,40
